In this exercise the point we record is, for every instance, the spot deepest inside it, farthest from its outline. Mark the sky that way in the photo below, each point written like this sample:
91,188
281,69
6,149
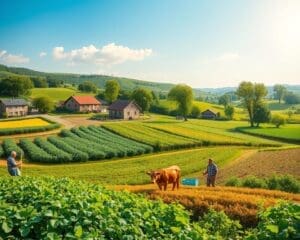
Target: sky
200,43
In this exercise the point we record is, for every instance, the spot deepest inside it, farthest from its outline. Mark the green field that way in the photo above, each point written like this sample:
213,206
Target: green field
133,170
56,94
289,132
170,132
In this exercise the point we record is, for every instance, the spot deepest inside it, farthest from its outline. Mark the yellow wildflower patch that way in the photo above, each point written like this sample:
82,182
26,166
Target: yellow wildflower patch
32,122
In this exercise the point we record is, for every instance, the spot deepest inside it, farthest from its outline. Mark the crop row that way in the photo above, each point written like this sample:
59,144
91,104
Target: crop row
154,137
77,144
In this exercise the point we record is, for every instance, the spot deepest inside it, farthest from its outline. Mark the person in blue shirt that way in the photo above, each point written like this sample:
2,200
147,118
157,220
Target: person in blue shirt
211,172
12,165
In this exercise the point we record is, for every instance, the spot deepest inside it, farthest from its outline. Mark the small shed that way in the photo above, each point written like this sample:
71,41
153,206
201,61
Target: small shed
124,109
210,114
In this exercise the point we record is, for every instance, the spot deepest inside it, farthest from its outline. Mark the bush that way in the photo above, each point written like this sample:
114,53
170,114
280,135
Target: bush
233,181
278,222
253,182
278,120
1,151
285,183
220,225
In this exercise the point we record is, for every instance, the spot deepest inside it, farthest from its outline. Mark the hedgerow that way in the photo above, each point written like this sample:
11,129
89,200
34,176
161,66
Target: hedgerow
58,154
285,183
35,153
77,156
10,145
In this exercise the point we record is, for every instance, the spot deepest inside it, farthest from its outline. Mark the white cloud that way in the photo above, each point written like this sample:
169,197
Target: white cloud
8,58
109,54
43,54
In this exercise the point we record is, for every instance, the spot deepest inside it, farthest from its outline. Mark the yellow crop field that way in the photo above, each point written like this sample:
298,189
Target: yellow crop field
238,203
22,123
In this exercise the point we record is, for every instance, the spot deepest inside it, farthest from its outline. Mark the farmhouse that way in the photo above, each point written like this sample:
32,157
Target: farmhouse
124,109
209,114
82,104
15,107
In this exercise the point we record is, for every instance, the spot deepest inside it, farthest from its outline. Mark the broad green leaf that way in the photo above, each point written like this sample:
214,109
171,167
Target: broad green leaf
272,228
78,231
6,228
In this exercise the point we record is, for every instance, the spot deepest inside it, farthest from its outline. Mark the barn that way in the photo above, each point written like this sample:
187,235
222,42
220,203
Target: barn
210,114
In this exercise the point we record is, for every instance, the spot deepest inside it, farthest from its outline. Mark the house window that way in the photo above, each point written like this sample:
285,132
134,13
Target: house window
128,113
134,112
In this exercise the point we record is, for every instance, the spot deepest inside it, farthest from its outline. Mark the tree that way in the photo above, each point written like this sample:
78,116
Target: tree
183,95
279,91
124,94
195,112
229,112
53,82
87,86
15,86
143,98
278,120
251,95
291,98
112,89
43,104
224,100
261,114
39,82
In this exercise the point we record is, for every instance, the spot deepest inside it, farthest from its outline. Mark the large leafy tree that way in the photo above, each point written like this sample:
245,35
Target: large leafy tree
15,86
279,91
143,98
183,95
261,114
87,86
251,95
43,104
112,89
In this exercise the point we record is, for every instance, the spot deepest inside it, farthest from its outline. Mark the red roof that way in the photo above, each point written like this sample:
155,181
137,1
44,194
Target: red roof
86,100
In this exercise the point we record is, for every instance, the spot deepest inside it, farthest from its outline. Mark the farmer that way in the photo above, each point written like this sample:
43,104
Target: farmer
211,172
12,165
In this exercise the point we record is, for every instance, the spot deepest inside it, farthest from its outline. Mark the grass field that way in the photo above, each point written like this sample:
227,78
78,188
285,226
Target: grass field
20,123
289,132
133,170
56,94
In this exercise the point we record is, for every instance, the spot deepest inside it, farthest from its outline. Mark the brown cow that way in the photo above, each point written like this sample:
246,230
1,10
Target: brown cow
166,175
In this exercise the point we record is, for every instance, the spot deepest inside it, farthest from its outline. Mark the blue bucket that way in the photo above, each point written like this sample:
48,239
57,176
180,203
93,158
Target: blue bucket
190,181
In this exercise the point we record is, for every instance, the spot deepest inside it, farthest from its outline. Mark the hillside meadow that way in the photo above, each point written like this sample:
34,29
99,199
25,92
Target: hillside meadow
56,94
